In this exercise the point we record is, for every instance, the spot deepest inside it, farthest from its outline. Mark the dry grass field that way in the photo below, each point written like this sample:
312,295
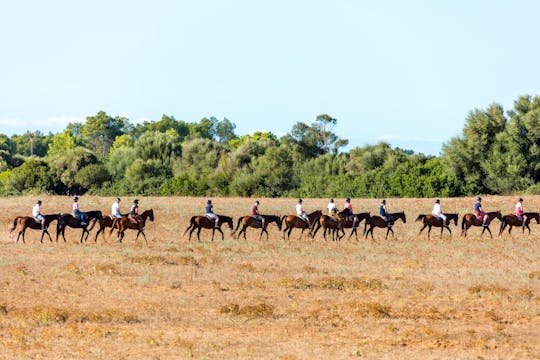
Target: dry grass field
406,297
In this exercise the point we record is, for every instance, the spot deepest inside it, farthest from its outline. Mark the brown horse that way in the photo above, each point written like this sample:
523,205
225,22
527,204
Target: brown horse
250,221
511,220
329,224
124,223
472,220
431,220
69,220
294,221
29,222
377,221
200,222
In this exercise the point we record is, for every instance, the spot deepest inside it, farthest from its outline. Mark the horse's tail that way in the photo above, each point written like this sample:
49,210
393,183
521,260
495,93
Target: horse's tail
15,223
237,225
420,217
463,222
284,219
114,223
191,224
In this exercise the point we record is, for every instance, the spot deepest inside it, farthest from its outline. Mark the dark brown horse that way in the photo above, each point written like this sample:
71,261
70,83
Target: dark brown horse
294,221
29,222
431,220
472,220
249,221
377,221
348,224
69,220
106,223
200,222
511,220
124,223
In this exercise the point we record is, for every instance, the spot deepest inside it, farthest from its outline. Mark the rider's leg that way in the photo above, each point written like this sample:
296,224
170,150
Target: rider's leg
524,219
484,221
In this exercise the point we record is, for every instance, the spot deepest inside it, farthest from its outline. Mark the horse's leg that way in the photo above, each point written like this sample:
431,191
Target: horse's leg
198,233
99,230
528,228
301,233
191,232
428,232
42,234
289,234
222,236
489,231
213,232
422,229
324,234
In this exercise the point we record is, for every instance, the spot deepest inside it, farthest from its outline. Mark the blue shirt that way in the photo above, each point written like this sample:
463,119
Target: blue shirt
382,210
477,207
209,208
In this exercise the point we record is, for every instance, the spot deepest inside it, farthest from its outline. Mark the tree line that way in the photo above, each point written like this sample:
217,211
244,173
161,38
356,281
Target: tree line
498,152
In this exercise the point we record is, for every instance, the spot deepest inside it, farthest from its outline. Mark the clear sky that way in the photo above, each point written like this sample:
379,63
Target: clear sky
406,72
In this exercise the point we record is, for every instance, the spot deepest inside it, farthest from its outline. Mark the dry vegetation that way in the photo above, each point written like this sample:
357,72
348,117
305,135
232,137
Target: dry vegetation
406,297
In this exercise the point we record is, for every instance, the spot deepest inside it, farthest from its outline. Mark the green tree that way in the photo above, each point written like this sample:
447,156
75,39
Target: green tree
100,131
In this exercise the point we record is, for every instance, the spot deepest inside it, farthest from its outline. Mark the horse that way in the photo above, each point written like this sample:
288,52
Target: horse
124,223
329,223
348,224
69,220
106,223
250,221
511,220
200,222
30,222
377,221
472,220
432,220
294,221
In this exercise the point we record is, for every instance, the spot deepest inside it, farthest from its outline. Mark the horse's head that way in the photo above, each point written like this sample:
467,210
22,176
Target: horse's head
497,214
455,218
149,214
401,215
279,222
228,220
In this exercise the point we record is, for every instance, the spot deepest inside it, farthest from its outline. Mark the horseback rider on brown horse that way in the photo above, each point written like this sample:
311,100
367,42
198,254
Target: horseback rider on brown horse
36,222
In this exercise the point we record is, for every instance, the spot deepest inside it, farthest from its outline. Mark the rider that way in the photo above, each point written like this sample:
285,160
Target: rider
133,215
347,209
301,213
210,213
36,213
480,214
518,211
384,214
437,211
332,210
76,212
115,209
256,215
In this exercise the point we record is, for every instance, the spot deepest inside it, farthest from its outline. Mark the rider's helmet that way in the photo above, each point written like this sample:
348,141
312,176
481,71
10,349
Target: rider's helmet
438,201
117,199
75,198
209,202
479,199
299,201
257,202
383,201
136,201
39,202
347,200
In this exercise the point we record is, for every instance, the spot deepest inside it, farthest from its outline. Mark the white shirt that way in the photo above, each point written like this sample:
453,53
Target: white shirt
331,207
115,208
36,210
299,209
436,209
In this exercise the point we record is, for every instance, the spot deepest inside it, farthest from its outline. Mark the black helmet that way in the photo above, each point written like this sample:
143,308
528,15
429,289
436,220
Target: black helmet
479,199
136,201
520,199
256,201
118,199
39,202
209,202
383,201
347,200
438,201
331,200
299,200
75,198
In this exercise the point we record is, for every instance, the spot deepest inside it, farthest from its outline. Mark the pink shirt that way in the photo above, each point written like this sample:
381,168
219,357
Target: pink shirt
348,206
519,209
75,206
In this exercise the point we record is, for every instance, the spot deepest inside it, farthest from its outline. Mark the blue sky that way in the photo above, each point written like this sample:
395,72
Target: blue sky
406,72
